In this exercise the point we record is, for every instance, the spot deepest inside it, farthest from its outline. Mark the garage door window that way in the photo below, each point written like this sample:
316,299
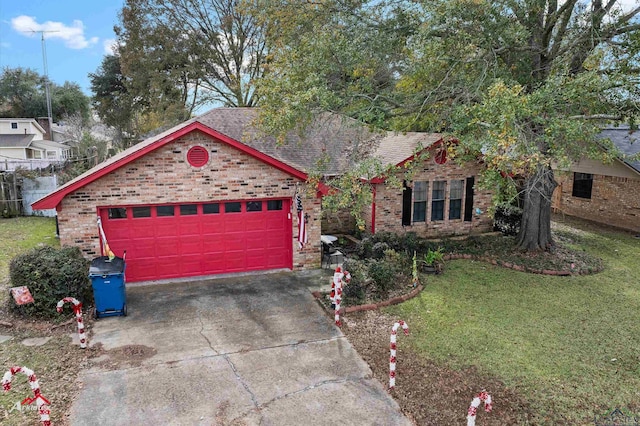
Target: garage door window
232,207
254,206
274,205
188,209
213,208
141,212
118,213
164,211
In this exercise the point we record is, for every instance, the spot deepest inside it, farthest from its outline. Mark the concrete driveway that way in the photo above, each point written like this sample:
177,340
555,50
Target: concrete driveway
252,350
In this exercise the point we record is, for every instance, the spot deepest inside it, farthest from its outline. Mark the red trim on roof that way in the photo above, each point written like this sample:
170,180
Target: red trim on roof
381,179
54,199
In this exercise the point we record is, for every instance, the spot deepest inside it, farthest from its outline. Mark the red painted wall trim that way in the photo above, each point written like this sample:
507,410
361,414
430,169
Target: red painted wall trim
373,211
54,199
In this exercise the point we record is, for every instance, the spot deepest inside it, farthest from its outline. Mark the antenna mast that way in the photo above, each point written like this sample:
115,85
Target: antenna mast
46,73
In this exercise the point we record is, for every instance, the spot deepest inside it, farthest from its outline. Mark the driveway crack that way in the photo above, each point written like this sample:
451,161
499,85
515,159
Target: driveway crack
205,336
254,399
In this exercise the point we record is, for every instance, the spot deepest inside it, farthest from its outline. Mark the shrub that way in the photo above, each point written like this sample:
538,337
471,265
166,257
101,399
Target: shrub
507,219
364,248
378,249
383,274
50,274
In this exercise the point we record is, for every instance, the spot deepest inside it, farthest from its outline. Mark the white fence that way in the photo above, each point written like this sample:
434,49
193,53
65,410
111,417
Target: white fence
11,165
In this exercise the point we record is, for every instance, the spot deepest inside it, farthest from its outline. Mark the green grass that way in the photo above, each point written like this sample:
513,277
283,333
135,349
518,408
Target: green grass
18,235
569,345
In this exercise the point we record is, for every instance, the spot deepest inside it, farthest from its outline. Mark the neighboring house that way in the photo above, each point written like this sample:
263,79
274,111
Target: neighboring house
606,193
22,145
212,195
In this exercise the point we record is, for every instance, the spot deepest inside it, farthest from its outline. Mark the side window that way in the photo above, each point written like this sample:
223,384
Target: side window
420,190
437,200
582,185
455,199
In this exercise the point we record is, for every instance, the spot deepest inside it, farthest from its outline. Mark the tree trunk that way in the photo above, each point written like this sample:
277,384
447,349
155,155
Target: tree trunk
535,228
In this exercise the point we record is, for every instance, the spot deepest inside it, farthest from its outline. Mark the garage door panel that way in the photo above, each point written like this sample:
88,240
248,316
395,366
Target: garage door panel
209,242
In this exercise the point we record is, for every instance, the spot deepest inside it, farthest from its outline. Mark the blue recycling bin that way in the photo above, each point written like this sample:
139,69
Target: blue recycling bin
108,282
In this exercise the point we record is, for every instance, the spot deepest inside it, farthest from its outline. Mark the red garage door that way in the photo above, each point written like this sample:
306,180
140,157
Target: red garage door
184,240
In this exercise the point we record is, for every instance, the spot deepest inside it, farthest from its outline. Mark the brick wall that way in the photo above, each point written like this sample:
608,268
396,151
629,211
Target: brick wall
614,200
389,204
340,222
165,176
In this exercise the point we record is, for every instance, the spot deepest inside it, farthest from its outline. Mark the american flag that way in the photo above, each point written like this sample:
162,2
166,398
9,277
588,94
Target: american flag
302,226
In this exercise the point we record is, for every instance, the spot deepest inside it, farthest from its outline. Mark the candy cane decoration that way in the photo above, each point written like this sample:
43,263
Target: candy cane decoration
336,291
41,401
392,358
77,309
475,403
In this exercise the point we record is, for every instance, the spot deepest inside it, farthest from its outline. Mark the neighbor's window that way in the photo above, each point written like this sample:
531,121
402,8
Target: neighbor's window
117,213
455,199
420,201
37,154
437,200
14,125
582,184
51,155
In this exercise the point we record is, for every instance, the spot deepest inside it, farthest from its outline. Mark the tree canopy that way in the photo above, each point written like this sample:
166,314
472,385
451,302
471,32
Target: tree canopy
523,84
190,51
22,95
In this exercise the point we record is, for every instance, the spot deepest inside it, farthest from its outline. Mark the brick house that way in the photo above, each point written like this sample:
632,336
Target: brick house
213,195
605,193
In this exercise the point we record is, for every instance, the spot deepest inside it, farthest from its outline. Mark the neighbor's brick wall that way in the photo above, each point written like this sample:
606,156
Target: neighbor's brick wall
389,204
614,200
165,176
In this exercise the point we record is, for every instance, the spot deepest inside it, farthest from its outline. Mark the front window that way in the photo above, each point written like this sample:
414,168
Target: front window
437,200
455,199
582,185
420,190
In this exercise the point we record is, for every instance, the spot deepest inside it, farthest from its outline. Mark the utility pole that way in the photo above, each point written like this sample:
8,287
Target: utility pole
46,73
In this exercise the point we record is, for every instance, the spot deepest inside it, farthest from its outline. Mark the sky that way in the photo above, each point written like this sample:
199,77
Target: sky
83,36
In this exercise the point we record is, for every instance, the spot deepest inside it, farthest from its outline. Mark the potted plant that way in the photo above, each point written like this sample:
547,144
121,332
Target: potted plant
433,261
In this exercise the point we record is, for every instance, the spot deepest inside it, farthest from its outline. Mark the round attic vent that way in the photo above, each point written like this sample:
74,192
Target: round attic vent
197,156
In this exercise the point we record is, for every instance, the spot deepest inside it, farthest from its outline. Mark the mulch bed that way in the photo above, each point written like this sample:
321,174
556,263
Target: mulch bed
428,393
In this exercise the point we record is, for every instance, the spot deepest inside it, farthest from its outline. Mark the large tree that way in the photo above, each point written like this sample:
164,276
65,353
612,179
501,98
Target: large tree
22,95
190,51
522,83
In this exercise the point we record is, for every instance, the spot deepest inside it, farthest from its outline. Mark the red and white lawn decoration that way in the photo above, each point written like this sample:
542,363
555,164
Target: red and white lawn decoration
77,309
392,359
41,401
473,408
336,291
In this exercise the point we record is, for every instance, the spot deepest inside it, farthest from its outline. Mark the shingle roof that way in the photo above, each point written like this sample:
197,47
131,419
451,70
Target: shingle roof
15,141
329,140
627,141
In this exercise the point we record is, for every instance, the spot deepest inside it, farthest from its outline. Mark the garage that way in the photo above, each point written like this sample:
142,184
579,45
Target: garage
195,239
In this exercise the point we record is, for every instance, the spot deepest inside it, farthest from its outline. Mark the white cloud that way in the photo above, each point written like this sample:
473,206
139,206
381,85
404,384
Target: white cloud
109,46
73,35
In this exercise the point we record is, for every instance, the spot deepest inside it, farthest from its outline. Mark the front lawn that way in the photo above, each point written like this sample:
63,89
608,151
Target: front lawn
20,234
568,346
